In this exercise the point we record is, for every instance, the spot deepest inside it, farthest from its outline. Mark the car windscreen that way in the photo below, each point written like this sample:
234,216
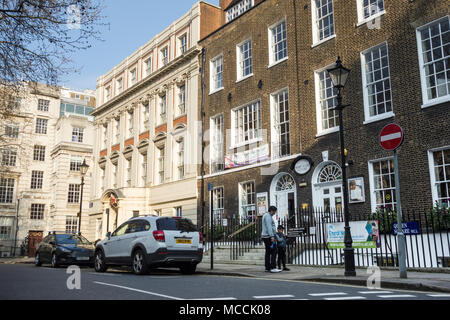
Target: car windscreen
71,239
172,224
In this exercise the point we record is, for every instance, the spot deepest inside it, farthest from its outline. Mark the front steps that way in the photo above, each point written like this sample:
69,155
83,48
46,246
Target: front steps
254,256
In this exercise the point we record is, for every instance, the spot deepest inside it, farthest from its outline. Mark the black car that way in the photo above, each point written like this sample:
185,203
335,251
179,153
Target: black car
64,249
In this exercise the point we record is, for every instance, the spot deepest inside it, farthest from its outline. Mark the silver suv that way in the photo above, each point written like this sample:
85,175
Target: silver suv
151,242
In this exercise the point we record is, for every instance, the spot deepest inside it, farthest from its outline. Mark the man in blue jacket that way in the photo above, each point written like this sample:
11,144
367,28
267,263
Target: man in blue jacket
268,236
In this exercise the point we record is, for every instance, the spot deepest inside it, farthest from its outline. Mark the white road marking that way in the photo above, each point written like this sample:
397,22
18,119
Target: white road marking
327,294
104,274
226,298
138,290
346,298
439,295
397,296
274,296
374,292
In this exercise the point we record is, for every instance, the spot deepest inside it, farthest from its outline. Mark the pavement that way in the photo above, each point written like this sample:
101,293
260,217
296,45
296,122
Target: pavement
434,280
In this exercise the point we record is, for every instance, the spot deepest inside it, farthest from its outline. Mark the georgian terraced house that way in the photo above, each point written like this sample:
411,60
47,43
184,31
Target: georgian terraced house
270,100
147,131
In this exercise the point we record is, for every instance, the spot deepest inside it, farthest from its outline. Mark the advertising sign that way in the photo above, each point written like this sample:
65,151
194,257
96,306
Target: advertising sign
356,190
365,234
261,200
411,227
244,158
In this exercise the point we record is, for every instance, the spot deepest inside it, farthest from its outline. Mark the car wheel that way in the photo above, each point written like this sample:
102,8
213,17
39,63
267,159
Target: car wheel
37,260
139,264
54,261
188,268
99,262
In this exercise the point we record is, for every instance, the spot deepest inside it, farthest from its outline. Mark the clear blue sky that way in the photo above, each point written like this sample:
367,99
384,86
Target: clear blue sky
132,24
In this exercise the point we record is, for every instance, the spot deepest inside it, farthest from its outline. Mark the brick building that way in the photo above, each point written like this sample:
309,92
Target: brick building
268,99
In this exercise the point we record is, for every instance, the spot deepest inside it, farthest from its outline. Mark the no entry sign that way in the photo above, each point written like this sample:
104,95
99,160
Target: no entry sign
391,137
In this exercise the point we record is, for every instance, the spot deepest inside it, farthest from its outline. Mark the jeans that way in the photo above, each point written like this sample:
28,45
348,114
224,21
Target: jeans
281,257
271,254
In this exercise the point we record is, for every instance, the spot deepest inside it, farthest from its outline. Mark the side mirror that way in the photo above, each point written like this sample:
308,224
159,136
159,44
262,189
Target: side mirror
108,235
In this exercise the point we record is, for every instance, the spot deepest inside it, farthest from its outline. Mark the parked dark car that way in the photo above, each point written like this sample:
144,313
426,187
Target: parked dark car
64,249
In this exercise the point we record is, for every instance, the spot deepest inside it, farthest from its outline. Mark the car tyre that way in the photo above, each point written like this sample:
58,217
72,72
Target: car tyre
139,265
37,260
188,268
54,261
99,262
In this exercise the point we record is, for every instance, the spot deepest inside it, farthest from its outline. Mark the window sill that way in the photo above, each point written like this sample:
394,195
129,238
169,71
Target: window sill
244,78
318,43
379,14
436,102
327,131
246,143
277,62
215,91
379,118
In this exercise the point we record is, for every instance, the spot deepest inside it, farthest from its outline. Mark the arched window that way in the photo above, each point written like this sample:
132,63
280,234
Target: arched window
330,172
285,182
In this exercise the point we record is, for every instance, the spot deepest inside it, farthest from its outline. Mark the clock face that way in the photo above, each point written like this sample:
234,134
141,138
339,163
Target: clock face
302,166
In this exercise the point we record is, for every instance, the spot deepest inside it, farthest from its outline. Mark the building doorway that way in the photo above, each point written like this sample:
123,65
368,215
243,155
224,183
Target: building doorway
34,238
327,187
283,192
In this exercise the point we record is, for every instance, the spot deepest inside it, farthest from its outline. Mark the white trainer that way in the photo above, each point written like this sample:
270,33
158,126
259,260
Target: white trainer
275,270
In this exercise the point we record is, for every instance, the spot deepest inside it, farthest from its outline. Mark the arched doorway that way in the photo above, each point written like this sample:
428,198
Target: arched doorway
283,195
327,187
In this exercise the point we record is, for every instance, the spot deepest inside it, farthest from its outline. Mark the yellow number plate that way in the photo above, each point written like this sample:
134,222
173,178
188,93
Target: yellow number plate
184,241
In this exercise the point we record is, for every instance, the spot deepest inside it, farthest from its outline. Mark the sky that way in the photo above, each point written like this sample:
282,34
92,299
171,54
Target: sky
131,24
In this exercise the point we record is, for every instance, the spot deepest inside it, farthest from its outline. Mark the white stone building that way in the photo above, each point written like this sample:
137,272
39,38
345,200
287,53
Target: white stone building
44,144
145,155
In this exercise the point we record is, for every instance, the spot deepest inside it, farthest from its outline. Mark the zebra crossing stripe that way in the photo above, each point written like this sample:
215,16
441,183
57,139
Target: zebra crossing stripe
327,294
396,296
374,292
346,298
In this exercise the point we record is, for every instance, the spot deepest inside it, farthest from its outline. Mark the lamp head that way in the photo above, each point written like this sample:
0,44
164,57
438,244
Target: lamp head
338,74
84,168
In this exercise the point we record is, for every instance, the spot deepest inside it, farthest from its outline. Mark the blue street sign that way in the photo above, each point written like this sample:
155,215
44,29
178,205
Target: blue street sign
210,186
411,227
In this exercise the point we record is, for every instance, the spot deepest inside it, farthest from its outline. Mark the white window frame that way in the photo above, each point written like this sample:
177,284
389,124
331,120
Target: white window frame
164,53
180,163
234,122
360,11
6,227
274,116
320,130
9,156
427,102
38,153
162,108
389,114
108,93
373,200
181,110
71,224
272,44
148,66
41,126
218,202
315,22
115,174
37,180
133,76
74,192
240,68
102,178
117,130
104,136
43,105
119,84
130,123
77,134
160,162
7,190
144,166
182,47
241,191
433,181
37,211
13,131
128,172
145,117
216,139
213,75
75,163
239,9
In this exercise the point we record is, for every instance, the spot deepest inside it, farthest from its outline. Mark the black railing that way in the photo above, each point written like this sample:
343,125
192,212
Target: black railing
428,247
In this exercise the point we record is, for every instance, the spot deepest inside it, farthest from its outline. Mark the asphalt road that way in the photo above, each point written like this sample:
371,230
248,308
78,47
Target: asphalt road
22,281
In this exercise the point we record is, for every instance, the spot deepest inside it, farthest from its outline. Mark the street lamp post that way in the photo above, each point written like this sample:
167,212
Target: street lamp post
83,169
339,75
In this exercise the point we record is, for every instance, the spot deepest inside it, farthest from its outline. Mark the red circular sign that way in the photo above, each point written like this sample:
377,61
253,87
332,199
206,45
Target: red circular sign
391,137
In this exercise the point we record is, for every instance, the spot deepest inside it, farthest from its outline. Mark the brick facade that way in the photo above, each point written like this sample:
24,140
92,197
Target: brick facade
425,128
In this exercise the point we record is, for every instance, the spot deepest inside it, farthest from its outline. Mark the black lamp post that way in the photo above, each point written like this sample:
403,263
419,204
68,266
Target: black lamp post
83,169
339,76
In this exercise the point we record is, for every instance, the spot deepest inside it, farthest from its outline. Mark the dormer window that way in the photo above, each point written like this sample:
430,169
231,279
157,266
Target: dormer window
238,9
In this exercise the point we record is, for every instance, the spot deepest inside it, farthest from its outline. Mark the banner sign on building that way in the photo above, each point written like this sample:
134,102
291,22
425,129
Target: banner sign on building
244,158
411,227
365,234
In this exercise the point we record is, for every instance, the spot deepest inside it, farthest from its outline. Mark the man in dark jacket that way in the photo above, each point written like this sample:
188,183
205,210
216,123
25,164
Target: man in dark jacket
281,244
